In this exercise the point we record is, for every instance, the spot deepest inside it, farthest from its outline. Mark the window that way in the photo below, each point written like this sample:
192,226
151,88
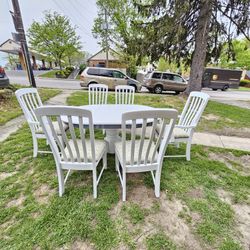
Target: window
93,71
156,75
178,79
118,74
106,73
167,77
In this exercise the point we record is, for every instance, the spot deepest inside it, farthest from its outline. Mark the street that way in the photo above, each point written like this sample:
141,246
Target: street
233,97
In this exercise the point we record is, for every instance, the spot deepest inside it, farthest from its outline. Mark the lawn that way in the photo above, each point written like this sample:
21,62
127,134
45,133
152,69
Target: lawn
49,74
204,203
218,118
244,89
10,108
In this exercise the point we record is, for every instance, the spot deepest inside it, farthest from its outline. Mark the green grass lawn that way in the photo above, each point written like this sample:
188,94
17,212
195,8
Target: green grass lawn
197,208
10,108
244,89
218,118
49,74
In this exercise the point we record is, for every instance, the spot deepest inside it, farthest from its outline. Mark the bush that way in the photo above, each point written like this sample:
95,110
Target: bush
82,68
64,73
245,83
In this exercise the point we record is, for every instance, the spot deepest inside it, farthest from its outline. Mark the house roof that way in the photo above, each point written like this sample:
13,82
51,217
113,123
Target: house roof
12,47
101,55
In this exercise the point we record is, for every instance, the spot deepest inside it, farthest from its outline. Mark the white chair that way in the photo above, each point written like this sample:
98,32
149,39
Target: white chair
98,94
74,152
188,121
142,155
124,94
29,100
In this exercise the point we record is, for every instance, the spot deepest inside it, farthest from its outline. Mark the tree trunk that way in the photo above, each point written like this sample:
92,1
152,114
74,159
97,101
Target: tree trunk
200,49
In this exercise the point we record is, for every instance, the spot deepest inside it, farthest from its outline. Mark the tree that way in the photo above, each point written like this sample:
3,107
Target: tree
191,31
241,57
54,37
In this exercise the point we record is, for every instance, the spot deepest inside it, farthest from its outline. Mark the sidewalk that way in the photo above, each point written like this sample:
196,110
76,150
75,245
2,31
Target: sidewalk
221,141
14,124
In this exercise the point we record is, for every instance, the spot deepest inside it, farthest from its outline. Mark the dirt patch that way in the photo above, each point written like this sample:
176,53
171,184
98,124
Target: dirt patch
43,193
211,117
196,193
5,175
231,161
166,218
239,132
242,216
79,245
16,202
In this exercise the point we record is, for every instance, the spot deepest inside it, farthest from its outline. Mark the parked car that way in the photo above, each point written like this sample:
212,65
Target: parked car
216,78
4,80
2,72
108,76
158,81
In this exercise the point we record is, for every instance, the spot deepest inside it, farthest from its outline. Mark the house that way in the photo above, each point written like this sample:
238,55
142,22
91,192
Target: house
99,60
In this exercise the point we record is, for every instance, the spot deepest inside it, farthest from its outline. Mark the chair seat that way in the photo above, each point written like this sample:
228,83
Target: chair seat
180,133
56,127
118,149
99,149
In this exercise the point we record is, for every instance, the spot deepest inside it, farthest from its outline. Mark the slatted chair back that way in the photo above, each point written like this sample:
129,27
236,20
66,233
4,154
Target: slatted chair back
193,109
124,94
71,147
144,151
98,94
29,100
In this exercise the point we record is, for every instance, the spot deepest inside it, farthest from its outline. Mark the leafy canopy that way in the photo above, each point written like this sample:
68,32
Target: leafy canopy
54,36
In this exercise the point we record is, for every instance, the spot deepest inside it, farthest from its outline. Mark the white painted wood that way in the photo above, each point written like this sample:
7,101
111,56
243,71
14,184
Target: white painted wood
98,94
29,100
124,94
141,154
188,121
109,117
72,151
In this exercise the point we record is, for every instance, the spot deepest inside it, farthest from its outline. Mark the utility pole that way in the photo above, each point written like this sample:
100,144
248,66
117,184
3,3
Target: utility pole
106,38
18,23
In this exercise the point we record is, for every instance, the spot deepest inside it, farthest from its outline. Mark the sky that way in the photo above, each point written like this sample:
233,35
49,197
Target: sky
80,12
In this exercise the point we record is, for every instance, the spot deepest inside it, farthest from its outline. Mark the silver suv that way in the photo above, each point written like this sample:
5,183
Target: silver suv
110,77
158,81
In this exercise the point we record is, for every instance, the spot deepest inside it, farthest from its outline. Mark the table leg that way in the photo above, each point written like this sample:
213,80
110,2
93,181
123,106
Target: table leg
112,136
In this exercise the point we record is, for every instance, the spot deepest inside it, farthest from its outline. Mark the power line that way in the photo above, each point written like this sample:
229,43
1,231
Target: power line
75,19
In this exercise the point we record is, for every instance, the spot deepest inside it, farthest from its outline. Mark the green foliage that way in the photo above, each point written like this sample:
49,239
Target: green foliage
160,242
54,37
245,83
240,58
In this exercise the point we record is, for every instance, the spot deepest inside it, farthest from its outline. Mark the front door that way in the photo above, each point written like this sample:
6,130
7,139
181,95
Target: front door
119,78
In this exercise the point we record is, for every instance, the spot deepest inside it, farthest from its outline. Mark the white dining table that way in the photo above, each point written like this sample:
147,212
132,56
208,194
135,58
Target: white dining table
109,117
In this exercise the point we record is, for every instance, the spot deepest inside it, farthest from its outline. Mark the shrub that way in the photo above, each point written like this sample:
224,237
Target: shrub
245,83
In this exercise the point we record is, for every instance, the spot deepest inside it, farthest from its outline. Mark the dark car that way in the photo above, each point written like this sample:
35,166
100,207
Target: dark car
4,80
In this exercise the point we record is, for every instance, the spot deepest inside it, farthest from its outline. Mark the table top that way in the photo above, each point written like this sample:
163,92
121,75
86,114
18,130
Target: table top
108,116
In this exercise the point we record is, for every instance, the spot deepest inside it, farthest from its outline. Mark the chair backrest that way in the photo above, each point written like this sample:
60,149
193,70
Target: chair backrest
29,100
124,94
98,94
71,147
194,107
147,150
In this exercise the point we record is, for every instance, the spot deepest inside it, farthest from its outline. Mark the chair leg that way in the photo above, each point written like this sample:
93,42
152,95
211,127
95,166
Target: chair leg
94,184
60,182
104,160
116,163
157,183
124,186
188,150
35,145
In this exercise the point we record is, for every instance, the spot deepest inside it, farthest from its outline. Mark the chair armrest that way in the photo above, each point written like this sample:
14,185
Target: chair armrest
185,127
33,123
